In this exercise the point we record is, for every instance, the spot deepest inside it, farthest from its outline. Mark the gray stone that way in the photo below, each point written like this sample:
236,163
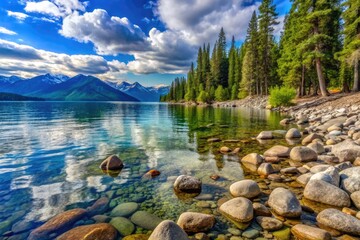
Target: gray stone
293,133
304,178
251,233
317,147
245,188
284,203
168,230
261,210
289,170
187,184
193,222
124,209
123,225
323,192
303,154
319,168
330,175
347,150
239,209
145,220
99,207
350,179
340,221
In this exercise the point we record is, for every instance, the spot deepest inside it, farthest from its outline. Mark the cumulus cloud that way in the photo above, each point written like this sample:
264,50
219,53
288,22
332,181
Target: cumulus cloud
56,8
201,20
110,35
26,61
18,15
7,31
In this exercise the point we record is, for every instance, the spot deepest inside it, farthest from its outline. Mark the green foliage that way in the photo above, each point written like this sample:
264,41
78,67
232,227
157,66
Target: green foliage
281,96
203,97
221,94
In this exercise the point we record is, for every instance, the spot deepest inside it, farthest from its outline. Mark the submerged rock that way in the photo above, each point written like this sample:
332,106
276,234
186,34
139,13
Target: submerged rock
196,222
284,203
168,230
187,184
123,225
99,207
245,188
112,163
100,231
145,220
253,159
58,224
340,221
239,209
321,191
124,209
151,174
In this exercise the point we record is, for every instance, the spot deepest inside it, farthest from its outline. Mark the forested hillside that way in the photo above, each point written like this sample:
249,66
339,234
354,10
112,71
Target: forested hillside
319,49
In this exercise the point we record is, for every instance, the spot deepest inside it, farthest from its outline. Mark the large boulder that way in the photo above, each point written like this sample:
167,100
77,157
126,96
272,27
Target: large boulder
58,224
245,188
145,220
347,150
100,231
284,203
112,163
168,230
253,159
124,209
350,179
123,225
303,154
193,222
278,151
323,192
293,133
187,184
335,219
239,209
264,135
330,175
305,232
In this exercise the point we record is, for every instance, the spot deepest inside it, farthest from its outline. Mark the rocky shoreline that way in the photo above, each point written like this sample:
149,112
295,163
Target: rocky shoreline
308,189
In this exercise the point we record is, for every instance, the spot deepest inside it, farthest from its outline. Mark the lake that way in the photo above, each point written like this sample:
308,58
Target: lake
51,151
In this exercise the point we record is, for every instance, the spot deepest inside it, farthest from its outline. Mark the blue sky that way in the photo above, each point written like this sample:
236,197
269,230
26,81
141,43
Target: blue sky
151,42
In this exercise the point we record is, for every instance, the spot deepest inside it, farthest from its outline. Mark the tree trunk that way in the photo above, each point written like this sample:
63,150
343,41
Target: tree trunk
302,88
320,77
356,76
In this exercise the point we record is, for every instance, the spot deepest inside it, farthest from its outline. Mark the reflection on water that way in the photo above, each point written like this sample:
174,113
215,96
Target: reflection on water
50,151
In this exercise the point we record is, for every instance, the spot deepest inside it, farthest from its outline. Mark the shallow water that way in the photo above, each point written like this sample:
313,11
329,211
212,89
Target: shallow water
50,153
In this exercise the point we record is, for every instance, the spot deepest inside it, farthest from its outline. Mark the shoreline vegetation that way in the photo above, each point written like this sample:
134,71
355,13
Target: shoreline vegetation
318,51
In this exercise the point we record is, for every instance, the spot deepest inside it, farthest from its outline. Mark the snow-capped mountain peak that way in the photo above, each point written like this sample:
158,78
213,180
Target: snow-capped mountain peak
11,79
54,78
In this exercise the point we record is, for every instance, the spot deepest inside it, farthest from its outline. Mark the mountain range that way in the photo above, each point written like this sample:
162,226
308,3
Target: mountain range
80,88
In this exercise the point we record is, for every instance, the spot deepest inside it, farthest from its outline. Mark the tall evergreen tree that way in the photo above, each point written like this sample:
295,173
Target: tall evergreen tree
351,51
232,64
222,59
267,21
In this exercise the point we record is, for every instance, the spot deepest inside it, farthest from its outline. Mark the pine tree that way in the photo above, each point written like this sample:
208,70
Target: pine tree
232,64
351,51
267,20
222,59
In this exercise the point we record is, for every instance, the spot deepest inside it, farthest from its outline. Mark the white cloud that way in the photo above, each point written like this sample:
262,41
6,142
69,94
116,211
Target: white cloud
18,15
7,31
110,35
56,8
26,61
201,20
44,7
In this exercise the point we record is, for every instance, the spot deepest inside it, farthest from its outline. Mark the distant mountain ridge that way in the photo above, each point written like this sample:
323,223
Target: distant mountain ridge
79,88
